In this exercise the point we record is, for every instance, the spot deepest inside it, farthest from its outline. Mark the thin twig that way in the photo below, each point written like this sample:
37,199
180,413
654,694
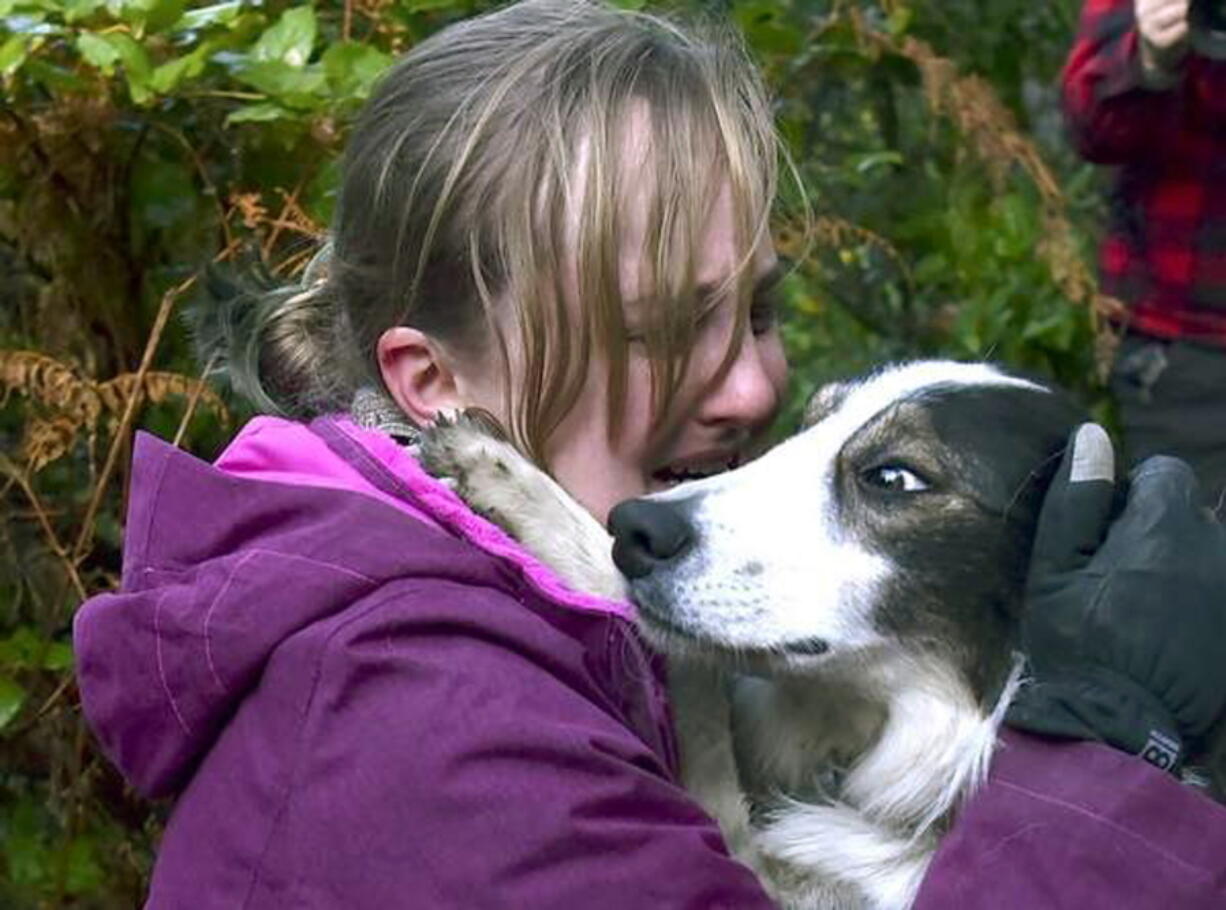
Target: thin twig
284,221
194,400
218,93
112,456
19,477
55,696
291,264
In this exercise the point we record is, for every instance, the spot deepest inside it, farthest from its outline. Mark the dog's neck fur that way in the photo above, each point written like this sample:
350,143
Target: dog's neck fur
858,778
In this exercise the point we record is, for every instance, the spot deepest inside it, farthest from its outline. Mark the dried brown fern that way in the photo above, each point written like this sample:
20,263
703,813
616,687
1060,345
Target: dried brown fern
292,217
76,403
53,384
839,232
974,108
47,440
972,105
796,240
157,387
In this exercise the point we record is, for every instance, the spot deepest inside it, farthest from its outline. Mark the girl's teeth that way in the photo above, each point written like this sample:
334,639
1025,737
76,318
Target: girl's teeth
681,475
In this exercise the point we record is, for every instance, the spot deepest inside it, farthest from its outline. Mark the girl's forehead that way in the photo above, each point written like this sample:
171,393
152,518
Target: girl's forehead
696,214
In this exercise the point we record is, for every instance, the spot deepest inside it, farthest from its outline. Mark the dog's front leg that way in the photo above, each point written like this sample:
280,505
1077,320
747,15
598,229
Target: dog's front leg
699,693
499,483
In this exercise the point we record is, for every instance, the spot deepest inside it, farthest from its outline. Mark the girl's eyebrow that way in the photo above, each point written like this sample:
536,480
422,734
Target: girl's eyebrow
709,290
761,285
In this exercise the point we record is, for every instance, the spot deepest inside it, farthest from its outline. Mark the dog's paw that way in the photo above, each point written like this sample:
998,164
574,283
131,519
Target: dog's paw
467,454
500,484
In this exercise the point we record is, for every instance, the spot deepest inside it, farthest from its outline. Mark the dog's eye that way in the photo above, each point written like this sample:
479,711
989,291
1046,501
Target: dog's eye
895,479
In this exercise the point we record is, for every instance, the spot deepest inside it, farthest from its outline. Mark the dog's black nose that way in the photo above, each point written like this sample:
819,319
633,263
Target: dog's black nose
646,534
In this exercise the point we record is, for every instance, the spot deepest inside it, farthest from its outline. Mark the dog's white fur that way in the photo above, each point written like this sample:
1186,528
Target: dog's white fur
849,762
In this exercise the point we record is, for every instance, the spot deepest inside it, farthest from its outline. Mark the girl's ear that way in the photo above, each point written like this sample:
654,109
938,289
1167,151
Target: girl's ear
416,374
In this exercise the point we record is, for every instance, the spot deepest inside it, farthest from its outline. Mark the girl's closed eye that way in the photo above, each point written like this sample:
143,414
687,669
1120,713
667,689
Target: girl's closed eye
764,312
768,298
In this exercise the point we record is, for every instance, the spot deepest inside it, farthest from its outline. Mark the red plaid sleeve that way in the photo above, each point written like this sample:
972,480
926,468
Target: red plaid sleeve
1111,117
1164,248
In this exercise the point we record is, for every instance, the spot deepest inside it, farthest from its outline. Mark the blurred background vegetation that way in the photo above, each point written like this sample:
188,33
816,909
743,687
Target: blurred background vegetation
140,139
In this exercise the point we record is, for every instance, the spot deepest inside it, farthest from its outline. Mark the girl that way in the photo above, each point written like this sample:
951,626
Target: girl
362,694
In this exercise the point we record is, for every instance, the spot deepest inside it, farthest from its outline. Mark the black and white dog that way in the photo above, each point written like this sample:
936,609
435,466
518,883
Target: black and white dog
842,613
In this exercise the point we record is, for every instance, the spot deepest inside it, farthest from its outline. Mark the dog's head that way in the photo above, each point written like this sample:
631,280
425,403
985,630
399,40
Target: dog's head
901,515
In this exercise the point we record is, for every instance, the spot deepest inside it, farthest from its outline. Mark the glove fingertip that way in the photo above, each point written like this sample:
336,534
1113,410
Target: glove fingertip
1093,457
1078,506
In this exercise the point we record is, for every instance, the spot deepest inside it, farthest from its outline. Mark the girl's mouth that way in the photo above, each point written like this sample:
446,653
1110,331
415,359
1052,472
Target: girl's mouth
699,468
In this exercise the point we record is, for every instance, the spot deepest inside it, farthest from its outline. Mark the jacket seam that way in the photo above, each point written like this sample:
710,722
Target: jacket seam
225,587
398,589
140,564
1106,821
161,665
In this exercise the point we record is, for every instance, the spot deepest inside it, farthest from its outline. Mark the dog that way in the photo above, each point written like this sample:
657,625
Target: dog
841,615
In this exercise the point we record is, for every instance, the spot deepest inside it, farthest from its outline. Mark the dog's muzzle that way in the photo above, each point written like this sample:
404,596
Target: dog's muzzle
648,535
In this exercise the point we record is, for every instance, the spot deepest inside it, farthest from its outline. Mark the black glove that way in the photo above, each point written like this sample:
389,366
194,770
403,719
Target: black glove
1125,622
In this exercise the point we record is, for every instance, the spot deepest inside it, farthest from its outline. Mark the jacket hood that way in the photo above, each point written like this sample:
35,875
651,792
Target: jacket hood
225,562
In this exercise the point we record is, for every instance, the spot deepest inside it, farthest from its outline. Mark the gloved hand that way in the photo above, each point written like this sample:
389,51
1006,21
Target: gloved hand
1125,620
1163,29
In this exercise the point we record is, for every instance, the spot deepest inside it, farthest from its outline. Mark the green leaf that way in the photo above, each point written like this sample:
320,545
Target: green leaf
630,4
872,160
263,112
765,28
353,68
290,40
422,6
53,77
319,200
147,15
298,88
58,656
167,77
13,54
161,14
29,23
16,651
206,16
26,649
98,51
105,50
899,20
12,697
83,873
25,855
76,10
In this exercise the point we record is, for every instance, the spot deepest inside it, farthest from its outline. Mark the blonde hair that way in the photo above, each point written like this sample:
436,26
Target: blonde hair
488,154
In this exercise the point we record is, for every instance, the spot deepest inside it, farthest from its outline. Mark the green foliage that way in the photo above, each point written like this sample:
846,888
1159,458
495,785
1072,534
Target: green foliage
141,138
936,236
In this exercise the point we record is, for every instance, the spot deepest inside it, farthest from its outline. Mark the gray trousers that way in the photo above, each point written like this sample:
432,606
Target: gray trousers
1171,400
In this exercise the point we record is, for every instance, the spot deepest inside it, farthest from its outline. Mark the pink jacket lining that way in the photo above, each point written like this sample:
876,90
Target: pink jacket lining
275,450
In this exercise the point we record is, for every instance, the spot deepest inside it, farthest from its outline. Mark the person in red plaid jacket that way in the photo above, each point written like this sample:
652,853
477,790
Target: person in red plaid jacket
1142,92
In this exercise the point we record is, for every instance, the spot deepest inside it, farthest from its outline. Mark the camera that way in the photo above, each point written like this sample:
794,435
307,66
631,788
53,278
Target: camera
1207,27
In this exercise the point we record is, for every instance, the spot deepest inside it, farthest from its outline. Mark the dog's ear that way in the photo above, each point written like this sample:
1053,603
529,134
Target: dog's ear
823,402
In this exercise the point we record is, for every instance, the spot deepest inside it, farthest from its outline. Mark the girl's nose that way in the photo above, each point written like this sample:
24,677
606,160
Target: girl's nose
749,392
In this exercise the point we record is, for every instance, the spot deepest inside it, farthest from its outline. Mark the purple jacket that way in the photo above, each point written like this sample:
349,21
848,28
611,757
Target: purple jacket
363,695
